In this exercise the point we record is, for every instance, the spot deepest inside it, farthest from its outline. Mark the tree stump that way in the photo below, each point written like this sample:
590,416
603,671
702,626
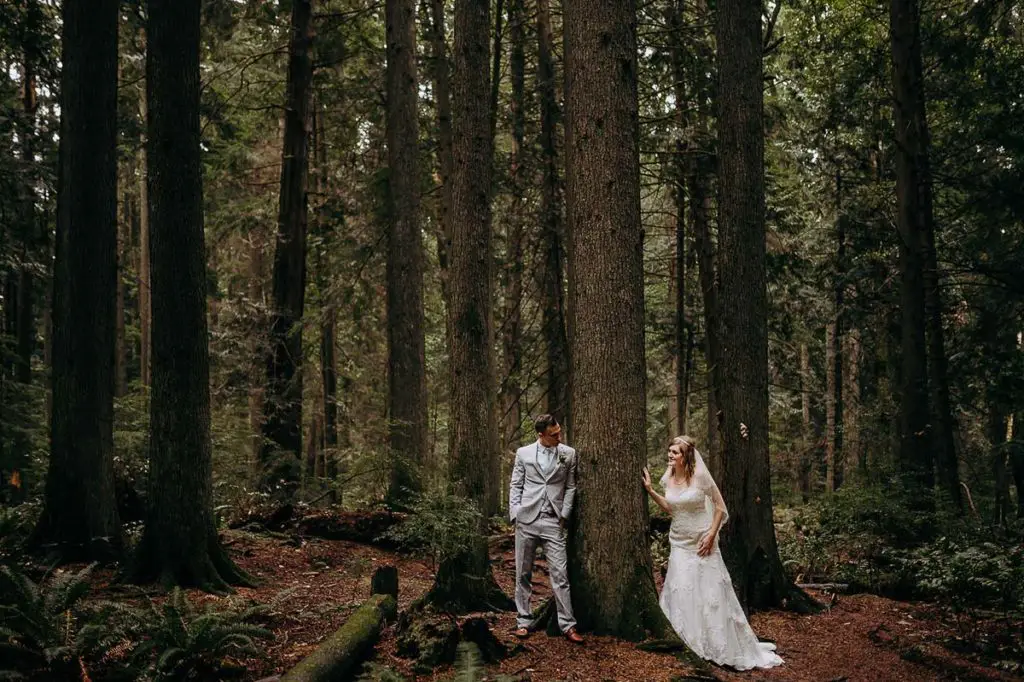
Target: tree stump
385,581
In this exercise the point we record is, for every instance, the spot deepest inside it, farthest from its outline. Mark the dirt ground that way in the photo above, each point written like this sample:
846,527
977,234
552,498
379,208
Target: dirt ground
318,583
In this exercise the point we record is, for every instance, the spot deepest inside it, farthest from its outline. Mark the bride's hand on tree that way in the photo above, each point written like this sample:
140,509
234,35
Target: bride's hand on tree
706,544
647,480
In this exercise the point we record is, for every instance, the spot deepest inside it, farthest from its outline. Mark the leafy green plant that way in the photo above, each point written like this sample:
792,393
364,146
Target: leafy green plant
177,641
41,622
441,523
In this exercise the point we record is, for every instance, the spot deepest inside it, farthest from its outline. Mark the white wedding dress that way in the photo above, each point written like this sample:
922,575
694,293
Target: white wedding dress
698,597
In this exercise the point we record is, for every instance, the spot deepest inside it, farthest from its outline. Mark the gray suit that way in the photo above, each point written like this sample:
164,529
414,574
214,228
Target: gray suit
540,502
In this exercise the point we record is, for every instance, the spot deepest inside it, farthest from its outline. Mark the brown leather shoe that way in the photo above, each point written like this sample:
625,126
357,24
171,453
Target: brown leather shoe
521,633
573,636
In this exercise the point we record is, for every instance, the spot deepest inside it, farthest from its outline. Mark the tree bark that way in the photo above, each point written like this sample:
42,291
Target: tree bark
552,292
465,582
741,384
513,295
145,290
611,571
683,347
440,72
833,398
123,237
853,454
913,199
180,543
407,382
807,436
1017,460
79,513
282,426
837,458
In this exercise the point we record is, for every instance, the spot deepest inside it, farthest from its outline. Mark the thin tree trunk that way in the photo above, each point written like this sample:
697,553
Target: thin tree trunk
282,425
120,347
145,289
79,513
512,313
832,397
913,201
807,436
741,384
853,454
1017,461
180,543
407,382
440,71
682,349
611,572
25,321
837,457
552,292
257,368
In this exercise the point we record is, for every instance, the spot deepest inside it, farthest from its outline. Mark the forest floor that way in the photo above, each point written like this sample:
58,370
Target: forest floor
317,583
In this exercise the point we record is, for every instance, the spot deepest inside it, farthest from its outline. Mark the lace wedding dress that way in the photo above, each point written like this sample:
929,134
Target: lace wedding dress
698,597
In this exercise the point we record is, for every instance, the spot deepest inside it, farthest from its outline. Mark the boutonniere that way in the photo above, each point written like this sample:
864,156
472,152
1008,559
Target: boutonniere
561,455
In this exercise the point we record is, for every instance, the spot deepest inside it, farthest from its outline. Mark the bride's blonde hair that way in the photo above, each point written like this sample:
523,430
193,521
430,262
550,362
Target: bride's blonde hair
687,445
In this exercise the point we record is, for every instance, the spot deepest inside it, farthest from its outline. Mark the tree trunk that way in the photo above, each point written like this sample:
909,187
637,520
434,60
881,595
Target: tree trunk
123,237
741,384
683,347
328,363
552,292
440,69
1017,461
611,571
465,583
807,436
837,459
407,382
282,425
79,513
145,290
853,453
513,295
833,398
913,199
180,543
257,368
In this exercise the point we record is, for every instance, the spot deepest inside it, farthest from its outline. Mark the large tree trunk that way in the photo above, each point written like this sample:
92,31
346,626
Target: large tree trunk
511,386
611,570
552,292
913,215
741,383
180,543
465,583
407,382
282,425
853,453
123,249
79,513
914,190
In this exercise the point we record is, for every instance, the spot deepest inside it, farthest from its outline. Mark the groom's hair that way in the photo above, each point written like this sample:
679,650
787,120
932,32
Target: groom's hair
542,422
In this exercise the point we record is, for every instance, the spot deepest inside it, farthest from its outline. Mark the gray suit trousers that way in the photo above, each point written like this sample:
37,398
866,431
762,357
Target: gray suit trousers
544,530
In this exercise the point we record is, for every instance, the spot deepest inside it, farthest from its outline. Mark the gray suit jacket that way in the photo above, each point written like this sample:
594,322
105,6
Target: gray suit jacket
531,489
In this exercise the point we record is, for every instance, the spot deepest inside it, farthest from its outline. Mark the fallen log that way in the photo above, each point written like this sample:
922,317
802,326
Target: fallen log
341,654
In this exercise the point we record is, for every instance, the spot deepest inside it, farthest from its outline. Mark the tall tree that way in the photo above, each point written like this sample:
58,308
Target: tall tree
180,543
552,272
612,577
741,384
407,382
915,455
79,513
145,291
465,582
914,205
282,424
511,386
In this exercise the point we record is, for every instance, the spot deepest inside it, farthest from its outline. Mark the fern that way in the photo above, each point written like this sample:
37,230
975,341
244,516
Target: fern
40,621
467,663
176,641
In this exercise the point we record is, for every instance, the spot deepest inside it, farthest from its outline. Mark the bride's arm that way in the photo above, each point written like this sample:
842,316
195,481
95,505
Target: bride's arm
658,499
719,515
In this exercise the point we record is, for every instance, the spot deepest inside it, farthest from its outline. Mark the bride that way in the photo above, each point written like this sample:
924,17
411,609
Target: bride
698,597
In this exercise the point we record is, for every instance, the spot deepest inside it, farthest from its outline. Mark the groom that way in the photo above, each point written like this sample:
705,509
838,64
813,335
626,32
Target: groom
539,503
